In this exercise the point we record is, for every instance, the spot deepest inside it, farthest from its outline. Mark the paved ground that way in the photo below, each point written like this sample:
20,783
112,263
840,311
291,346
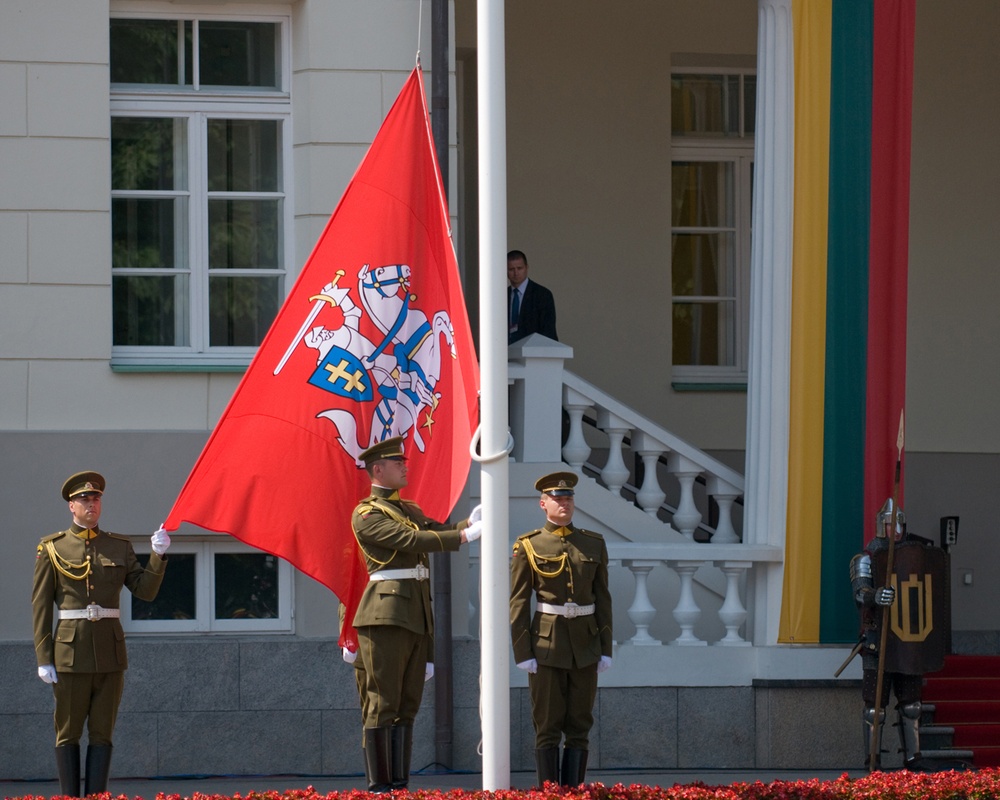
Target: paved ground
187,786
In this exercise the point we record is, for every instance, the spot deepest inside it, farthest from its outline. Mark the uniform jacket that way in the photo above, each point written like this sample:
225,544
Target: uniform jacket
537,313
396,534
581,577
79,645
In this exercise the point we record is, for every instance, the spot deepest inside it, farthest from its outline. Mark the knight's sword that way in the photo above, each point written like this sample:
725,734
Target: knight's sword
319,299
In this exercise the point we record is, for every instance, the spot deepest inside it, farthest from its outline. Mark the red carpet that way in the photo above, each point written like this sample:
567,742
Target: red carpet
966,696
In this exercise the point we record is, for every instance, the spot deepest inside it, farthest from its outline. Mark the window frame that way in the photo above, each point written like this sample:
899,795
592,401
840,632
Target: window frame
196,106
204,549
738,150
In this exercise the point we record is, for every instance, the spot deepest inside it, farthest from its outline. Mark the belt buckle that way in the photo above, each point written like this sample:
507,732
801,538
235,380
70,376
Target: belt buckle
571,610
93,612
423,573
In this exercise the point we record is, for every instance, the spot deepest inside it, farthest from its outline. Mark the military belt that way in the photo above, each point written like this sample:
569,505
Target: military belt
93,612
420,573
569,610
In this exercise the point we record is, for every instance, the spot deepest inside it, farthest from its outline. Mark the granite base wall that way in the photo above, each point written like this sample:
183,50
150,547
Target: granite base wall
287,705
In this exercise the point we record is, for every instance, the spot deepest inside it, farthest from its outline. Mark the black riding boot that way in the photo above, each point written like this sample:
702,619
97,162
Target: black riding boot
547,765
574,766
378,752
98,767
402,748
68,764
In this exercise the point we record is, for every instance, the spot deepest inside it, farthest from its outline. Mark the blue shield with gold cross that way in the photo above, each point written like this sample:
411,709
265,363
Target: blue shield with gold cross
342,373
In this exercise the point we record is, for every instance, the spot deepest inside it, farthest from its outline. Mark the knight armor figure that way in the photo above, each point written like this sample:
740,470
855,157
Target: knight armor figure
917,596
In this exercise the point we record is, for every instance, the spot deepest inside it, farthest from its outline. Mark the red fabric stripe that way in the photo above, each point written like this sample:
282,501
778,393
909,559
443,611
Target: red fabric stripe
892,90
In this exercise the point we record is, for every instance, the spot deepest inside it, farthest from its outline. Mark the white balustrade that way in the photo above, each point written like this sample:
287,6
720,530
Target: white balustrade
650,496
687,613
615,473
733,613
642,611
687,517
576,451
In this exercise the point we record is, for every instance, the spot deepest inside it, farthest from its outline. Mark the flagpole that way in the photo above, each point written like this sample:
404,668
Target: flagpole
494,580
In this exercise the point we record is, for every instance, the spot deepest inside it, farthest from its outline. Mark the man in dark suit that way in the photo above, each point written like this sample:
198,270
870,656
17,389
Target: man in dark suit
567,641
530,306
394,620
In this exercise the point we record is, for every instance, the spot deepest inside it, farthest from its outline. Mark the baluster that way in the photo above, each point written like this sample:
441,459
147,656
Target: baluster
641,612
576,451
687,612
615,473
650,496
724,494
733,614
687,516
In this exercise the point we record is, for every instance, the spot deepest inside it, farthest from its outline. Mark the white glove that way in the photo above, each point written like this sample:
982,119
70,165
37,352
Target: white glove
349,657
48,673
885,596
477,514
160,541
604,664
428,671
531,665
474,531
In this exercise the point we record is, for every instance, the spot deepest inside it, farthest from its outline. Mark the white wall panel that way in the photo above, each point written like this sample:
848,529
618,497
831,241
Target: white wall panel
68,100
14,252
71,248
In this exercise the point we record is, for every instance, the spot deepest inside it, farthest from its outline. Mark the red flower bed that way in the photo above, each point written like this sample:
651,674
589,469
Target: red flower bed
902,785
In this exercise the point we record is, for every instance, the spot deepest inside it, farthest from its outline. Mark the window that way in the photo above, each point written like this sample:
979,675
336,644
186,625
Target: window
711,188
200,143
214,585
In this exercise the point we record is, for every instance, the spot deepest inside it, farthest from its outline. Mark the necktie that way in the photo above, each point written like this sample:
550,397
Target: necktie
515,306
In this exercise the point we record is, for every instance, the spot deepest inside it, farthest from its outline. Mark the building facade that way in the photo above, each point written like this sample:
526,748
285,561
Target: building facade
164,172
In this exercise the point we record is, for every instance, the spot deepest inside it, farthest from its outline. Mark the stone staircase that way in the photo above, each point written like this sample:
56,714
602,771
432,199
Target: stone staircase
962,706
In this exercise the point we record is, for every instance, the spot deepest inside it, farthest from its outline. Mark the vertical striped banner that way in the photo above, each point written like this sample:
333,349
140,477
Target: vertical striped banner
853,88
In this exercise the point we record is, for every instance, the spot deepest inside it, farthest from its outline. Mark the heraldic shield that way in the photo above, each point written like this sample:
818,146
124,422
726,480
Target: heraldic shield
920,618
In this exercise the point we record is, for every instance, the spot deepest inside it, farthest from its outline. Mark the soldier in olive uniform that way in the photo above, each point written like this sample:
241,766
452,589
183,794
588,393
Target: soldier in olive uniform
394,620
568,640
79,575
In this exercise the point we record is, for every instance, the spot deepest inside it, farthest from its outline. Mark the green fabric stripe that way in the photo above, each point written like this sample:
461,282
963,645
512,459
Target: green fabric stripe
847,312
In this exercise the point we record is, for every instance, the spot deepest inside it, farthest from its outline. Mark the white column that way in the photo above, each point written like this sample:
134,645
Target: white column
770,304
494,583
536,400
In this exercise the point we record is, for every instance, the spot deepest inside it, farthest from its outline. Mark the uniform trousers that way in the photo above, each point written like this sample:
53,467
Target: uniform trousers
906,687
90,696
562,702
395,663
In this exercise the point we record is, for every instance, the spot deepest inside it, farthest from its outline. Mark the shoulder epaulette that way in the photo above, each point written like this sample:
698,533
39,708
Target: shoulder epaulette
53,536
116,536
589,533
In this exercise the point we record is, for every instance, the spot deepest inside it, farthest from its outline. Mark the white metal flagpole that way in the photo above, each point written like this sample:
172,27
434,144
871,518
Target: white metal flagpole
493,444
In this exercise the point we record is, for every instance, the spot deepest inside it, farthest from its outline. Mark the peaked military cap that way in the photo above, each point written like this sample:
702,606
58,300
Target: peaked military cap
83,482
390,448
558,484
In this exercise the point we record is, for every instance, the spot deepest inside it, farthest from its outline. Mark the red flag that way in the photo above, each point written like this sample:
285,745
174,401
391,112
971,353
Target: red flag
373,341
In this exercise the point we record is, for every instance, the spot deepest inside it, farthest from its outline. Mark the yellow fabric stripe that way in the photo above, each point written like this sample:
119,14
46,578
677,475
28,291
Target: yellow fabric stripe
812,24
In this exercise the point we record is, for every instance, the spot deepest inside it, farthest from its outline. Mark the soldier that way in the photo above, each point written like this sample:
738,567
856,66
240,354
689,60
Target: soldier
919,622
568,641
394,620
79,575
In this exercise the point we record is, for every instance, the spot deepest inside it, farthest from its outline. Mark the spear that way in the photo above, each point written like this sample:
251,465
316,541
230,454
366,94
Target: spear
880,673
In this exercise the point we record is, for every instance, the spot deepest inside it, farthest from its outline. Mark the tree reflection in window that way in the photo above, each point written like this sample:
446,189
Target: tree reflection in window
176,598
246,586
